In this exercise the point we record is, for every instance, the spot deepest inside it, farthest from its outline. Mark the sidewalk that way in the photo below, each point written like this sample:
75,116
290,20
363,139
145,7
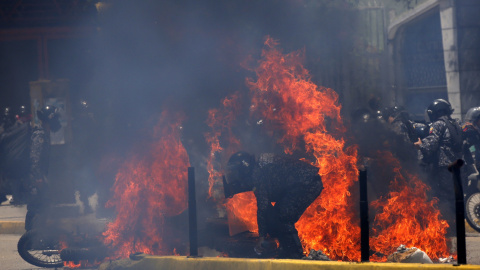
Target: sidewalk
12,218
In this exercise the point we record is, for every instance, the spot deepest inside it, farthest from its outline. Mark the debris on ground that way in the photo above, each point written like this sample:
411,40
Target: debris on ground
316,255
449,259
409,255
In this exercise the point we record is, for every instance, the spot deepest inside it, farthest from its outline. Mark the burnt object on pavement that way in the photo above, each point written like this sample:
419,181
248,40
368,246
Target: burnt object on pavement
409,255
316,255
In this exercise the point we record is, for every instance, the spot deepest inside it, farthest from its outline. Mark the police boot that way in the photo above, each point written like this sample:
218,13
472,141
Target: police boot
290,246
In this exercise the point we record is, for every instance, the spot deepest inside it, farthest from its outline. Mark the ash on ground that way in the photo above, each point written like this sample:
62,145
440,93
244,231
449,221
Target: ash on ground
316,255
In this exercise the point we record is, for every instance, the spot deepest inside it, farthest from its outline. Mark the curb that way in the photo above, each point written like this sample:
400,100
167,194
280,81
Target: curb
146,262
12,227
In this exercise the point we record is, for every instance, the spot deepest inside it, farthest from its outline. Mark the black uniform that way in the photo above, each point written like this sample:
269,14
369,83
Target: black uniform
440,148
293,185
471,138
39,162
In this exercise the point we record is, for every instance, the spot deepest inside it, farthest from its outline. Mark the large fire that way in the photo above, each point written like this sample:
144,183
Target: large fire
405,216
300,117
285,97
149,188
305,117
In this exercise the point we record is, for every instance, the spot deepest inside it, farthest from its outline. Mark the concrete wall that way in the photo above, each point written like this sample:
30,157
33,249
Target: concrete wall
468,37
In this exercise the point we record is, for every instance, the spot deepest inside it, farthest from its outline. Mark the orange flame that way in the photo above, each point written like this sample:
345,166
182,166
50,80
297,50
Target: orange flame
242,209
220,121
285,96
72,265
405,216
147,189
308,119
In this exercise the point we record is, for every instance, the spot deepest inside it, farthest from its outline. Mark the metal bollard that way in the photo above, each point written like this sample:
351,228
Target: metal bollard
364,223
454,168
192,213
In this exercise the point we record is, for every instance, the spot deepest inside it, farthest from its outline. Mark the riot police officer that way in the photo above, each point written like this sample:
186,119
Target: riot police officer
15,145
471,136
399,120
291,183
440,148
471,129
39,160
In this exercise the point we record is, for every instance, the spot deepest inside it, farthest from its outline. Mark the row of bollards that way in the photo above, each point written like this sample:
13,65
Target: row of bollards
454,168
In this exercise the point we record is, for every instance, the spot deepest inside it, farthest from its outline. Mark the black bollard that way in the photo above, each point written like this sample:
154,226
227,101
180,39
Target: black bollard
454,168
192,213
364,224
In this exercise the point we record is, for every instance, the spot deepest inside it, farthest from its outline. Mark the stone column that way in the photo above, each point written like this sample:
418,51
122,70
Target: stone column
450,54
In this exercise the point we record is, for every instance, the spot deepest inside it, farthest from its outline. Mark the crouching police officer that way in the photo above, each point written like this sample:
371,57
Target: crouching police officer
292,184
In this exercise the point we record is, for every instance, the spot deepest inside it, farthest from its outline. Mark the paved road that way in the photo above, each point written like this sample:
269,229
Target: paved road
473,249
9,258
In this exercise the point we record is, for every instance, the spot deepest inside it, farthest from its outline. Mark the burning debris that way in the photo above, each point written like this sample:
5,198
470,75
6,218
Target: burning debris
409,255
405,215
316,255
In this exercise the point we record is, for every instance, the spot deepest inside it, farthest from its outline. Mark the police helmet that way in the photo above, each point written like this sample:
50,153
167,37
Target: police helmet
49,114
438,108
8,118
473,115
23,114
22,111
238,173
421,130
393,111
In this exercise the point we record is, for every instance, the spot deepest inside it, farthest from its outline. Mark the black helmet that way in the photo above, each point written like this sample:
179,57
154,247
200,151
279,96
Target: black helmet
49,114
438,108
238,173
23,114
8,119
473,115
393,111
421,130
22,111
7,111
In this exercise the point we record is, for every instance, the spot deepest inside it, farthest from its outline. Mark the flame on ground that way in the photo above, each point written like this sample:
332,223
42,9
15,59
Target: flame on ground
72,265
148,188
405,216
308,119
